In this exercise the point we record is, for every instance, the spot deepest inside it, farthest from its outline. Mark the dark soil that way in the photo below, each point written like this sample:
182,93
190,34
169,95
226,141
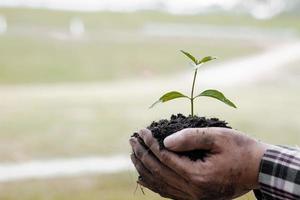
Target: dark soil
164,128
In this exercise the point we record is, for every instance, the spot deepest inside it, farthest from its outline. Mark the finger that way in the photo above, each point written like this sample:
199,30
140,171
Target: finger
181,165
164,191
150,187
191,139
156,167
144,172
154,184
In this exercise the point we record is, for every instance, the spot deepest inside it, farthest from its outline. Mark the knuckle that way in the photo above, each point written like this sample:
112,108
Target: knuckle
149,142
189,131
156,171
193,178
165,156
198,180
207,140
139,153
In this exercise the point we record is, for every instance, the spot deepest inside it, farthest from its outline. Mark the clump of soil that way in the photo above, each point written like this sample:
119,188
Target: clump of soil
163,128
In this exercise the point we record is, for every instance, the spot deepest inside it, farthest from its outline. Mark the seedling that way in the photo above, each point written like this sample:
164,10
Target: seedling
197,63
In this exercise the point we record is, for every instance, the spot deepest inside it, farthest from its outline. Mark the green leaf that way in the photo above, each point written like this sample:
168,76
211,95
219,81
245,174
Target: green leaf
169,96
190,56
206,59
217,95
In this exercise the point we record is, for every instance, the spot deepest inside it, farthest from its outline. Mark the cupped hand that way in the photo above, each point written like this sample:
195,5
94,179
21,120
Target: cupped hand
229,170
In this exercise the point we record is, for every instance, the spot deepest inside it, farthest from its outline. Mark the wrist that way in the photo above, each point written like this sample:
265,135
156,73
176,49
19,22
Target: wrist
257,151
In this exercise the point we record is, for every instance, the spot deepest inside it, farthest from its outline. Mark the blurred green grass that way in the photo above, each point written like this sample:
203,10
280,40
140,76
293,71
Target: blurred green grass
38,49
119,186
52,61
49,126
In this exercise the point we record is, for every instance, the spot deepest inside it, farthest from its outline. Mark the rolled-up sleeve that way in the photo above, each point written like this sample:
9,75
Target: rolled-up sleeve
279,175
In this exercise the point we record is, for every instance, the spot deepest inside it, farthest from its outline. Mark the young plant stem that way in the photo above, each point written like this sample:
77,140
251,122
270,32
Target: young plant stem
192,93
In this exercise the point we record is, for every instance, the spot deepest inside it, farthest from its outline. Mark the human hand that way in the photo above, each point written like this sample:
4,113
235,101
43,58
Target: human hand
228,171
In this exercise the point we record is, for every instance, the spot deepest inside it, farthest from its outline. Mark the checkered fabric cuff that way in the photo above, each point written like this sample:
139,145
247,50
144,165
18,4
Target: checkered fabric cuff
279,175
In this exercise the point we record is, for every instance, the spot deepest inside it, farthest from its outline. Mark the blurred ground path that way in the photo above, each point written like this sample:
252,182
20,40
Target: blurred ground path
240,72
251,69
63,167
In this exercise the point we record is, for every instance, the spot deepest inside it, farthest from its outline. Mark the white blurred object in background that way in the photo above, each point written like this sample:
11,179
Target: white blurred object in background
265,9
77,27
39,169
3,25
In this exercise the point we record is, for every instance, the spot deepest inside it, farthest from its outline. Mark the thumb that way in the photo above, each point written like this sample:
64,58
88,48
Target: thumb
191,139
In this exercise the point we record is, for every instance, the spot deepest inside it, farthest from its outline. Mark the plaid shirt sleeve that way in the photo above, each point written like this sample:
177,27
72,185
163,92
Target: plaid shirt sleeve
279,175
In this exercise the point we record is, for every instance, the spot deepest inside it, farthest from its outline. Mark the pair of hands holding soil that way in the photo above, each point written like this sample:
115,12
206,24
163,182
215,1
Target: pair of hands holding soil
229,169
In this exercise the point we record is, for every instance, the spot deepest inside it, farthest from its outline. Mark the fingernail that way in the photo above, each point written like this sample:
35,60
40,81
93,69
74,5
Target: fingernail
169,141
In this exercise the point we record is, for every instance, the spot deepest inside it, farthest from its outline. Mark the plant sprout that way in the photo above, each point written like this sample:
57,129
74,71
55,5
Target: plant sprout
207,93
